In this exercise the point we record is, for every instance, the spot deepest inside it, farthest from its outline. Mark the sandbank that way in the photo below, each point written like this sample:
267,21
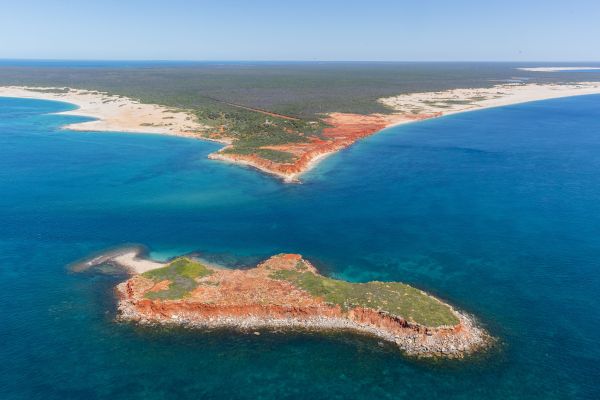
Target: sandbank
113,113
558,69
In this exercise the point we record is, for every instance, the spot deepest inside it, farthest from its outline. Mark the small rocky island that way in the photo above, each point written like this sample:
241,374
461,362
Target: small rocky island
287,292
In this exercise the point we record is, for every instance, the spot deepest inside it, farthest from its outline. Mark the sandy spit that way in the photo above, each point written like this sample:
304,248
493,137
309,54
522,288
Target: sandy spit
114,113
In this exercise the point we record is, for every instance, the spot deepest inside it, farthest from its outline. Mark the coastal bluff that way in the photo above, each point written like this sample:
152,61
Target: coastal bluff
286,292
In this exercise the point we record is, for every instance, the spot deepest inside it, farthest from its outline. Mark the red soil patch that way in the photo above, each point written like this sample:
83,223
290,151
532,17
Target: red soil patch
252,298
344,129
160,286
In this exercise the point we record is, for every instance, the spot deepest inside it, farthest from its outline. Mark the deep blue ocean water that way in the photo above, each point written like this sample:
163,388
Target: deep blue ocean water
496,211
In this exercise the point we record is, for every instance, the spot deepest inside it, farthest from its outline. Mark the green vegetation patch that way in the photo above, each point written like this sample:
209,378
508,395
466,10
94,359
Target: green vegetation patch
182,273
51,90
391,297
252,130
268,154
276,155
457,101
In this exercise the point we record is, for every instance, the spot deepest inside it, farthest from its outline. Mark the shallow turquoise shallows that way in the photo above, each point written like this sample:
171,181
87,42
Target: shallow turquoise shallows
495,211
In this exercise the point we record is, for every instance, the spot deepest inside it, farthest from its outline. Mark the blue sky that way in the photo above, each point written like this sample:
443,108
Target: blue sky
377,30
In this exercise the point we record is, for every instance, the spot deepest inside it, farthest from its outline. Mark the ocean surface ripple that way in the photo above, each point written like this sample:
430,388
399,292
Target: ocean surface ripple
495,211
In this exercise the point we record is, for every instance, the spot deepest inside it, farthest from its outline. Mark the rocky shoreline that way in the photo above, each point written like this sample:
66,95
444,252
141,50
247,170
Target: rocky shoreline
343,131
259,299
414,340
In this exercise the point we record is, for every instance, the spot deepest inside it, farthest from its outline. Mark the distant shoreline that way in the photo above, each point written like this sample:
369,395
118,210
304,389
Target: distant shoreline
121,114
558,69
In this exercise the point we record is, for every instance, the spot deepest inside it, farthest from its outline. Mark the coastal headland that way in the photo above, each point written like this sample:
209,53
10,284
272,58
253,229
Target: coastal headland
281,145
287,292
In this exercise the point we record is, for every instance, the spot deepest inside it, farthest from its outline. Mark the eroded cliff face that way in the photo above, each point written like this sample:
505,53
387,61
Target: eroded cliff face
343,130
250,299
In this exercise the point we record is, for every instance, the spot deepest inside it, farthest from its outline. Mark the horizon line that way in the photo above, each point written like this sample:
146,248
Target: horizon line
288,60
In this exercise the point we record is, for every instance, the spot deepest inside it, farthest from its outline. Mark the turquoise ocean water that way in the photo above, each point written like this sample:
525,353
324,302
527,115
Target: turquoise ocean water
496,211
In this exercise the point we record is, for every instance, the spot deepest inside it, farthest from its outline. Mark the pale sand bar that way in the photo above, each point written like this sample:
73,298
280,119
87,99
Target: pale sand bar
114,113
461,100
558,69
131,261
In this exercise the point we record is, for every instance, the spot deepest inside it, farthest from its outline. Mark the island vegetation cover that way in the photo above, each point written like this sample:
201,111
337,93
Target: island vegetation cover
185,275
287,292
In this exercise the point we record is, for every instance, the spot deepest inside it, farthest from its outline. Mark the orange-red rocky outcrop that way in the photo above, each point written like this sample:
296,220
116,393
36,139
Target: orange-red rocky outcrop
343,130
252,299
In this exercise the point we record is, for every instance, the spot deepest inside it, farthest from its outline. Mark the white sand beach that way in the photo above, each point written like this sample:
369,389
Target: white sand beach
558,69
131,261
114,113
462,100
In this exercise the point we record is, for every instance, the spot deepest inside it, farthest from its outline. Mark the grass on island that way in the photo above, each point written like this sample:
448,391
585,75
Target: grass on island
182,273
392,297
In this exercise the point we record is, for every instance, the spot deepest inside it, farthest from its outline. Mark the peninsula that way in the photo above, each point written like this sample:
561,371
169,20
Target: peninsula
283,145
287,292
